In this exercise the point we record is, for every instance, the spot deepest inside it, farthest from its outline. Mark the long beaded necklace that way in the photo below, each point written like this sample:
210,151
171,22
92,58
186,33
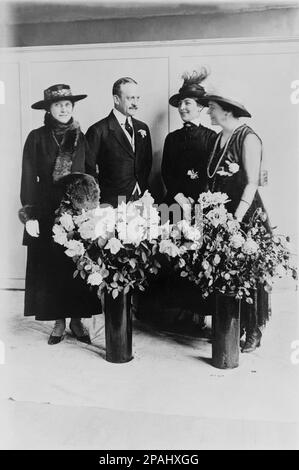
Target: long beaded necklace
222,154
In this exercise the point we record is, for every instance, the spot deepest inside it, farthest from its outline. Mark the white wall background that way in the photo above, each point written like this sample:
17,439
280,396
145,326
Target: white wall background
259,72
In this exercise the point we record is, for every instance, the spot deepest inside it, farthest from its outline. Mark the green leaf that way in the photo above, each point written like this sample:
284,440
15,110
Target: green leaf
75,273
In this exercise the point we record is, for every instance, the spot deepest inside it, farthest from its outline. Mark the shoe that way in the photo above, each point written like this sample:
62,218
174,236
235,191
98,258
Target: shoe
253,341
55,339
84,338
57,333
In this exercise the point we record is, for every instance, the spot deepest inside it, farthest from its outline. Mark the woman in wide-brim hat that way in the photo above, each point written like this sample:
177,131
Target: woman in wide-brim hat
235,168
184,173
51,152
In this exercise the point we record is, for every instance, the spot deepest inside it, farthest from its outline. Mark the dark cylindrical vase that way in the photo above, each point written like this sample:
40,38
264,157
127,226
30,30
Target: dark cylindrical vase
118,328
226,332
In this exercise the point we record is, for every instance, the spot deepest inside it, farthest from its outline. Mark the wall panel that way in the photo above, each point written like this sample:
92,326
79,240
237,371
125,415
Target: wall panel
260,72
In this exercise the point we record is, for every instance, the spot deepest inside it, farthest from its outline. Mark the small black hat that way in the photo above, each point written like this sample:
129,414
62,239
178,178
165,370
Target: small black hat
191,87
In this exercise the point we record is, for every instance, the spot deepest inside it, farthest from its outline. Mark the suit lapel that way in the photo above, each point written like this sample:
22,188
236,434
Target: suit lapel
138,139
119,134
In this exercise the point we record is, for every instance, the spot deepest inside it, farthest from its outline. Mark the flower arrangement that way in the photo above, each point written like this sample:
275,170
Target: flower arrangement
112,248
233,258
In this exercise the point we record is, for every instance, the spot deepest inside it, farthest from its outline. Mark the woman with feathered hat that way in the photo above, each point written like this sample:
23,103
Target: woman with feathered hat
184,171
235,168
52,152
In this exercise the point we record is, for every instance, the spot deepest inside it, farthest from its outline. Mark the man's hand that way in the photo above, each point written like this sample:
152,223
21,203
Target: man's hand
32,227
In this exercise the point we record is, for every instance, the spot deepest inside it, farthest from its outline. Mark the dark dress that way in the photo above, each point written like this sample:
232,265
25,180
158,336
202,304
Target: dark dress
234,186
50,292
186,150
169,297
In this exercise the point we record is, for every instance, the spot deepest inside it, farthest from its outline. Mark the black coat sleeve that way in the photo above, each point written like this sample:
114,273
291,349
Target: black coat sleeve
90,161
149,154
93,137
168,170
29,180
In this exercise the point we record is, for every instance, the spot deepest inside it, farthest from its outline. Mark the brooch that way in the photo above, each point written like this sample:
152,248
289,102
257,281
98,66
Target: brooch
193,174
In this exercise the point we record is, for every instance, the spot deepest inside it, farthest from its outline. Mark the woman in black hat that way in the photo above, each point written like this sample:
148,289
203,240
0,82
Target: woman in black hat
51,152
184,172
234,168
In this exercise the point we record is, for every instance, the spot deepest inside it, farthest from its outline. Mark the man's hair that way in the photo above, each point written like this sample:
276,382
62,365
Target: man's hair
119,83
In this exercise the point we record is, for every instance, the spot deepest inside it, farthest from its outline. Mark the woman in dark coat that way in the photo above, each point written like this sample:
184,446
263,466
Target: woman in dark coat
234,168
184,172
50,153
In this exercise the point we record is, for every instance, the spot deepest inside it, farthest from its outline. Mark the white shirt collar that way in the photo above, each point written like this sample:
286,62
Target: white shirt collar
195,121
121,117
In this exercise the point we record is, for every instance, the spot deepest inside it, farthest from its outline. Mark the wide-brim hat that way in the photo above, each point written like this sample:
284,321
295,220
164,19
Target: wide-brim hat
57,93
242,111
189,91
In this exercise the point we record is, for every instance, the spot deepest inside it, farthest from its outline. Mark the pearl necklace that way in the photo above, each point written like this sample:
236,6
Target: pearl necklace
222,154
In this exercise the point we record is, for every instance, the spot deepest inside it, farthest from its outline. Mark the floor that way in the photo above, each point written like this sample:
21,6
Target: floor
168,397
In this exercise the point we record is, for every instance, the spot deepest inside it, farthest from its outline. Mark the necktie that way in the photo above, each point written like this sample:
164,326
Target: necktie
129,128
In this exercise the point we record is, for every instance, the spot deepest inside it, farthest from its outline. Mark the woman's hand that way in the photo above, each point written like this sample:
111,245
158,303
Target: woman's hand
32,227
185,204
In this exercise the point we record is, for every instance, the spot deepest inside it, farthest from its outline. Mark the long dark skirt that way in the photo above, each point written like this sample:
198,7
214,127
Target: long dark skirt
51,292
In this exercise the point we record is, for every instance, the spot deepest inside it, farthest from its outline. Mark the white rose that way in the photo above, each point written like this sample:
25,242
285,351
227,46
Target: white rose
233,167
250,247
237,240
60,235
87,230
169,248
114,245
74,248
66,221
95,279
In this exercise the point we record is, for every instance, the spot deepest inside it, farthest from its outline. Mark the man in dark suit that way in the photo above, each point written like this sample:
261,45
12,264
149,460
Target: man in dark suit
121,147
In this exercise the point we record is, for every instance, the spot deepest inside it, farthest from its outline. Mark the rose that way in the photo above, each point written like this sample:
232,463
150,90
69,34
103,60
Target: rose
169,248
74,248
233,167
60,235
217,216
134,231
237,240
114,245
105,221
87,230
95,279
189,232
212,199
66,221
250,247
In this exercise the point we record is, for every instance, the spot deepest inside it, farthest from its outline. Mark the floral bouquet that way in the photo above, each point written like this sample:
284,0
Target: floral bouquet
233,258
113,248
